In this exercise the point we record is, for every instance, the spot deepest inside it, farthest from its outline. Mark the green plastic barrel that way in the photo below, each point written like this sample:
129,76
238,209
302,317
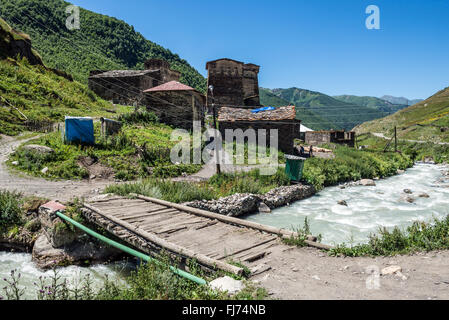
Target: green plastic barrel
294,167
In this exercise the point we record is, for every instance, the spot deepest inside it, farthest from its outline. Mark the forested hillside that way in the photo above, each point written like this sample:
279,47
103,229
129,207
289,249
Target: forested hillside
31,93
102,43
307,117
340,114
372,102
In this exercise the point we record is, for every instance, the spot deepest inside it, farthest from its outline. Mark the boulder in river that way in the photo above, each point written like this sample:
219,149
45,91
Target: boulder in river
367,183
408,191
263,208
343,203
408,199
423,195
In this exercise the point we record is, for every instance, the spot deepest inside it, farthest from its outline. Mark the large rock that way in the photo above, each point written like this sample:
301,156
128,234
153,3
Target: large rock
231,286
367,183
38,149
391,270
233,206
57,231
77,253
240,204
285,195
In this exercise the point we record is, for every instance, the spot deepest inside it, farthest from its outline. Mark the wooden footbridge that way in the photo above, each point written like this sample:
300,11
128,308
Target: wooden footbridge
152,225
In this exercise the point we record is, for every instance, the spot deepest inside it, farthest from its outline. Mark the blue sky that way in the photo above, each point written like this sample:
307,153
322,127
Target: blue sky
320,45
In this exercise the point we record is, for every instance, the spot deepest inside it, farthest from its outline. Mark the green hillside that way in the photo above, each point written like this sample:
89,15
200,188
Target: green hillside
340,115
427,120
308,118
102,43
34,93
372,102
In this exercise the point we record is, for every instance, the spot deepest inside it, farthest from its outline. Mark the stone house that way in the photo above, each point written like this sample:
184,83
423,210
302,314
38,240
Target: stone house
176,104
283,119
126,86
315,138
235,83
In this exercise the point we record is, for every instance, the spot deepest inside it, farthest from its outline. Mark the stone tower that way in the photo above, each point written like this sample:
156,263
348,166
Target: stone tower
235,83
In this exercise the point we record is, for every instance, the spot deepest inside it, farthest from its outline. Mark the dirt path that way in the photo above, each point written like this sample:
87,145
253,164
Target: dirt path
56,190
381,135
306,273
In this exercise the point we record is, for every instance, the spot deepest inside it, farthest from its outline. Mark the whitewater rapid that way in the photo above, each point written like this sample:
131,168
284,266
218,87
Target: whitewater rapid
368,207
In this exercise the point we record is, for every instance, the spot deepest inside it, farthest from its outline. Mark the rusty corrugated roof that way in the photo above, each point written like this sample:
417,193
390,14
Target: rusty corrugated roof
235,114
171,86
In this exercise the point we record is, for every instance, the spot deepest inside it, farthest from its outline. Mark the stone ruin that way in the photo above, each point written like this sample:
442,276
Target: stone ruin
126,86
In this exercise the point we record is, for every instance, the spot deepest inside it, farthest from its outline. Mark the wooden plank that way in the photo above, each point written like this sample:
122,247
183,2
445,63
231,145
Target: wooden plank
236,221
206,225
245,249
212,263
147,215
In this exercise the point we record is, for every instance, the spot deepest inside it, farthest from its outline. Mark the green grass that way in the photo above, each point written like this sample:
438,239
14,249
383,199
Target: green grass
151,281
418,237
416,151
164,189
422,121
43,96
139,151
10,210
350,165
218,186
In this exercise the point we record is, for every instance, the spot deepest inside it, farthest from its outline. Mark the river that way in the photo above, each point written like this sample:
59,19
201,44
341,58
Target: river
368,207
30,273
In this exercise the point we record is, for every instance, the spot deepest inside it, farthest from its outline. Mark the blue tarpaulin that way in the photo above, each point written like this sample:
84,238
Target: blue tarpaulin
263,109
79,130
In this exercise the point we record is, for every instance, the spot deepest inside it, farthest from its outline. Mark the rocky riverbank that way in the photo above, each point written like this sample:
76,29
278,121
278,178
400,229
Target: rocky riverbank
53,242
244,203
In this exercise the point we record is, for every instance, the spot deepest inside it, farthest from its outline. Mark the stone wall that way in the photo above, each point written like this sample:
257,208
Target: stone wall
288,130
126,90
175,107
315,138
126,86
251,85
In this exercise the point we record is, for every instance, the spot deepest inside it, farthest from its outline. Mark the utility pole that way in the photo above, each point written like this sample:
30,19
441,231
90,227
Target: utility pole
217,151
395,139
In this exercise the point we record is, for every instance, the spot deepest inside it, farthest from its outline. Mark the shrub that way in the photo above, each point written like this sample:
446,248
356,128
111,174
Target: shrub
10,210
420,236
163,189
139,117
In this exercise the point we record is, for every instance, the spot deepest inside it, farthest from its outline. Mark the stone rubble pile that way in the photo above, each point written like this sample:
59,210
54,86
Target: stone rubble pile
244,203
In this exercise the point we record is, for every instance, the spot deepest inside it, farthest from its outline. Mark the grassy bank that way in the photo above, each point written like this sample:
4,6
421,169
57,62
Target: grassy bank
42,96
218,186
416,151
350,164
10,211
140,150
150,281
420,236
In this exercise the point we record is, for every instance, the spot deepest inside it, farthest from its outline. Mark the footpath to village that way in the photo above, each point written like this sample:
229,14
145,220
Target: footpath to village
286,272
